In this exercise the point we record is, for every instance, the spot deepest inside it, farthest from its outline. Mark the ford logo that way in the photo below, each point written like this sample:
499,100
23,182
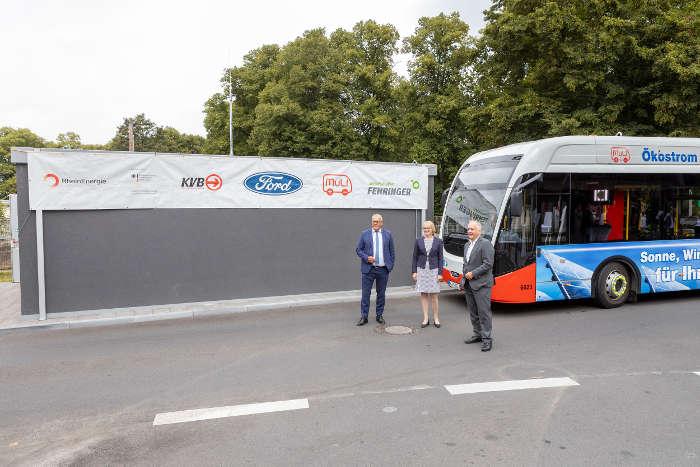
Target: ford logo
273,183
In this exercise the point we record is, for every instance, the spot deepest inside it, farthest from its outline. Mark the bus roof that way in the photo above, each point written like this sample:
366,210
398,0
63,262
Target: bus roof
601,154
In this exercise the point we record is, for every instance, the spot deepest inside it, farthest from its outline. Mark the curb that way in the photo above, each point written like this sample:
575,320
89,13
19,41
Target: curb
202,312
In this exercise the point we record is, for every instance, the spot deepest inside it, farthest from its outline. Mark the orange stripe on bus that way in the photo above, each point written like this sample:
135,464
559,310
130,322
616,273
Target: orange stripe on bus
516,287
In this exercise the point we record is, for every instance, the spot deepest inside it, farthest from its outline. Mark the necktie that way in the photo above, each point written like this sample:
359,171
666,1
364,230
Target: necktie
376,247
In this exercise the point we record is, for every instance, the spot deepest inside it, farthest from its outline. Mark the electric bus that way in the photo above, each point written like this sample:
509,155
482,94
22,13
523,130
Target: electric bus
602,217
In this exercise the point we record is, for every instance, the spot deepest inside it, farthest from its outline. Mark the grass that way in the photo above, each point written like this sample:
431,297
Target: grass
5,276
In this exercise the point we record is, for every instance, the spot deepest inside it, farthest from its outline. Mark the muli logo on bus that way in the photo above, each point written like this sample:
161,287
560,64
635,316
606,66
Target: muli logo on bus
273,183
666,157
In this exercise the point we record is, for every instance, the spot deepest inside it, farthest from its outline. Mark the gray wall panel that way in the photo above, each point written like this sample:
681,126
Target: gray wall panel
29,290
106,259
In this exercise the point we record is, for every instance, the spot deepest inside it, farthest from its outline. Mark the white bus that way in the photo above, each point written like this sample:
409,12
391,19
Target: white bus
607,217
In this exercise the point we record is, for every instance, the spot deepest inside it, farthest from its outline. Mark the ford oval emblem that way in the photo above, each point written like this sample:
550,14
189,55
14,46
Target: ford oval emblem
273,183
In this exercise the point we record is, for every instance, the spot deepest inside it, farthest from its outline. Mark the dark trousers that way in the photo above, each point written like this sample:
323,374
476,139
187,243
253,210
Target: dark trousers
479,305
381,275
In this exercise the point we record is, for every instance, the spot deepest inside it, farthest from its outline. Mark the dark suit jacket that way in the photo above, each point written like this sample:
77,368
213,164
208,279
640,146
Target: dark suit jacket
365,248
480,264
435,256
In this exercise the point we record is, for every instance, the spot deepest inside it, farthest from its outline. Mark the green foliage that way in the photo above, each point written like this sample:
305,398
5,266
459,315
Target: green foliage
148,137
550,68
435,97
11,137
68,140
318,96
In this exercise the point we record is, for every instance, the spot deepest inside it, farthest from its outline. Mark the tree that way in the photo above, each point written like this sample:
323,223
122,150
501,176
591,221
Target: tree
299,113
11,137
68,140
548,68
367,80
168,139
149,137
144,131
436,97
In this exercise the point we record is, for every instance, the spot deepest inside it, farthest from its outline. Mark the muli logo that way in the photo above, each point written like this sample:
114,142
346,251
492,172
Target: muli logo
273,183
662,158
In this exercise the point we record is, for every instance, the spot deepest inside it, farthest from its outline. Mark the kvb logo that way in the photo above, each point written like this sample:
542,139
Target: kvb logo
52,179
337,183
212,182
620,154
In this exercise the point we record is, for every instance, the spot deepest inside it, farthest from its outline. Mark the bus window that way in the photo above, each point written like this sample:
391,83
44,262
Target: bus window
477,194
634,207
552,212
515,245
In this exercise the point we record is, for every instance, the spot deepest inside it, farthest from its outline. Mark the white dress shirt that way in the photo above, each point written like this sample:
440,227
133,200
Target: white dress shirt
471,247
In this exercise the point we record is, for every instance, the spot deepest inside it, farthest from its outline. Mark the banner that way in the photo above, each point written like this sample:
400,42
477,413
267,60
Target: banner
81,181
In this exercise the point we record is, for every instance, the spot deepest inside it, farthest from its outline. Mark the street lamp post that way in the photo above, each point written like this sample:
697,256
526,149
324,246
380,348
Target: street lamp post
230,113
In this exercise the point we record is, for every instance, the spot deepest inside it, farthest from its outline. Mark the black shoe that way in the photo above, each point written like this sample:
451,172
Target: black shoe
486,345
380,320
427,323
473,340
437,325
362,322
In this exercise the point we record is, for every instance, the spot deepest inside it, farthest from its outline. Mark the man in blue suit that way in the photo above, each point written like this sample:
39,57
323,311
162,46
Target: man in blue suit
376,251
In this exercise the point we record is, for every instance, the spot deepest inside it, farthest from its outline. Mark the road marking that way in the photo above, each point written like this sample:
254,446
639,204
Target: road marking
697,373
210,413
420,387
514,385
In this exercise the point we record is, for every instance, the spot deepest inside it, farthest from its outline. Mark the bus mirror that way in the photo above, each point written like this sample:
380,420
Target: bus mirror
443,198
516,203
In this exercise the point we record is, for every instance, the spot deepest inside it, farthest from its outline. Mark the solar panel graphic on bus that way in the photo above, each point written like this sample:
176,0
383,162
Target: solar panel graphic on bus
566,271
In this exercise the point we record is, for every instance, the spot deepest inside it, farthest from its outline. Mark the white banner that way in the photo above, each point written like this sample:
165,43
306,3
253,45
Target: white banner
147,181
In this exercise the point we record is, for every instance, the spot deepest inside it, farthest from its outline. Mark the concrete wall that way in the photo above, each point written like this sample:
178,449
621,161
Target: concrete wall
120,258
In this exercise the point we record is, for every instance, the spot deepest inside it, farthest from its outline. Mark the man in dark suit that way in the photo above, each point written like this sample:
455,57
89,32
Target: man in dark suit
376,251
477,283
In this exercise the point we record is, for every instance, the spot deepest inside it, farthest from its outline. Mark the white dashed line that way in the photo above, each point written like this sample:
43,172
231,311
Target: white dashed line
697,373
210,413
514,385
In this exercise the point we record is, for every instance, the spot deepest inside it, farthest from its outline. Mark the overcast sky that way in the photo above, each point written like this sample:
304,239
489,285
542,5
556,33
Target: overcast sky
84,65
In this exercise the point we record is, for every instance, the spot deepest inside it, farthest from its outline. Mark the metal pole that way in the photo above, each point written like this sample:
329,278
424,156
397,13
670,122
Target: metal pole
14,235
40,263
131,136
230,113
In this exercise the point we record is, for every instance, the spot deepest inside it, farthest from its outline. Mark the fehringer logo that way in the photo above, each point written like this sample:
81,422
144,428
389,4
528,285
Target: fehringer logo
52,179
336,183
620,154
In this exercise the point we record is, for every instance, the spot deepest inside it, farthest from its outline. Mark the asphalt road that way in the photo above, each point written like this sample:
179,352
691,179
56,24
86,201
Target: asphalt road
90,396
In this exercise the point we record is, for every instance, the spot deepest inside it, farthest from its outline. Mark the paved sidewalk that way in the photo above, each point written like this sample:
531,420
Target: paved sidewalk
10,317
9,304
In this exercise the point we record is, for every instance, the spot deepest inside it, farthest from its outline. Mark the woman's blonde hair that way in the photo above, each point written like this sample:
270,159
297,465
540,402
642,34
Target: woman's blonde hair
431,225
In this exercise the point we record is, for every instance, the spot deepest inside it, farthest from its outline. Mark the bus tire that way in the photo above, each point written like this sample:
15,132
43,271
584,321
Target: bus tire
613,285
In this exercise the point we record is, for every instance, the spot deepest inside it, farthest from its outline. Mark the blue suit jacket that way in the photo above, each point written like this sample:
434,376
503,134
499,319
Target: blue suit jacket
364,249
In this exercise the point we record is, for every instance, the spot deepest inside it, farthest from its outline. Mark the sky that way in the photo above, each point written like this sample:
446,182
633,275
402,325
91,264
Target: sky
85,65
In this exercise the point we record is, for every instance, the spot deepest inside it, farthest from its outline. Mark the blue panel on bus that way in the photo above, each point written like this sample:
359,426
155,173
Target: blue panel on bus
565,271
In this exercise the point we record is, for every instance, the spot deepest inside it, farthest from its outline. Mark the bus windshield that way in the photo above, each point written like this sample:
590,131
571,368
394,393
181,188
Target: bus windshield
477,195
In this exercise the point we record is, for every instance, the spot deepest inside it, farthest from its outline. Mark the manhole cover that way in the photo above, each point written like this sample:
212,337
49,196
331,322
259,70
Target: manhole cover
398,330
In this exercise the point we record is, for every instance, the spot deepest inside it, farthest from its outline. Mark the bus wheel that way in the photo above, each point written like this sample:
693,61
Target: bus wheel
612,285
